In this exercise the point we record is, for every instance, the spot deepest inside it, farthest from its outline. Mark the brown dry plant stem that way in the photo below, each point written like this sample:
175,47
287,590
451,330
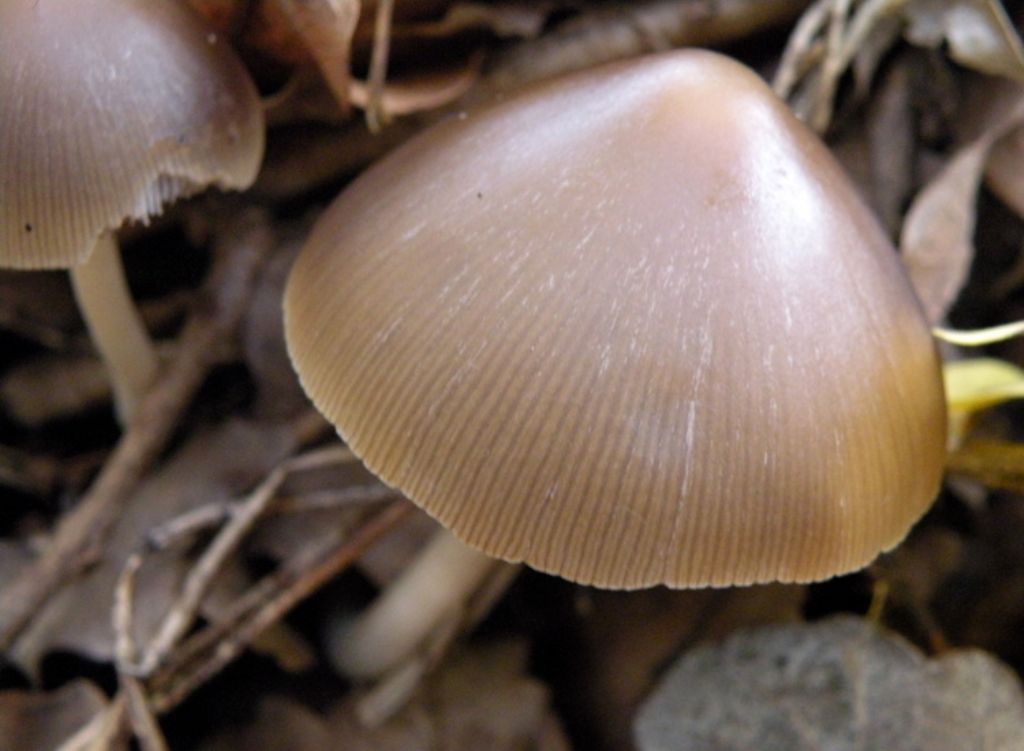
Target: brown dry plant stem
140,714
132,694
154,685
182,613
821,50
208,652
244,242
376,117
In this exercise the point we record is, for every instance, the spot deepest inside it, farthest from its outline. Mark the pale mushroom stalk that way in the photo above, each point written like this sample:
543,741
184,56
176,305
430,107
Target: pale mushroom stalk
142,106
115,325
435,586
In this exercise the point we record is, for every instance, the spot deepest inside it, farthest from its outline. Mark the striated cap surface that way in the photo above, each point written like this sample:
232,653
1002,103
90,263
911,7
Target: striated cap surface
111,109
632,327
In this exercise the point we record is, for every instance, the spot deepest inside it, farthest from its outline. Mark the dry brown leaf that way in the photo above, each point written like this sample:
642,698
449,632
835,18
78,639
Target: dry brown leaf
481,699
1004,174
215,466
978,32
937,240
890,131
835,34
872,49
990,101
31,721
325,28
841,684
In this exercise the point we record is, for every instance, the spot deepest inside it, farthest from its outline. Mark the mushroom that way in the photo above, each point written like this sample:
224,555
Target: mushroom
632,327
112,109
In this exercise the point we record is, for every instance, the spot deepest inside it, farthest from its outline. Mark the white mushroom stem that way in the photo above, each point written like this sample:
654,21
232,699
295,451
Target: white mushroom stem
115,325
433,588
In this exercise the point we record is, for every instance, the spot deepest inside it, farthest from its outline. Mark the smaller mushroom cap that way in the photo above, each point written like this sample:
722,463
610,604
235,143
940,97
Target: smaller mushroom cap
111,109
634,326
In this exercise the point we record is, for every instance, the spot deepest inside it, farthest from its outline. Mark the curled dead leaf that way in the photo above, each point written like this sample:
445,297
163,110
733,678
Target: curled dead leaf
937,238
835,34
937,241
989,102
326,28
979,34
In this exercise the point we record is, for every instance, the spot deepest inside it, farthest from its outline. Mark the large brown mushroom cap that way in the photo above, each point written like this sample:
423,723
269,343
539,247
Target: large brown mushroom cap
632,327
108,110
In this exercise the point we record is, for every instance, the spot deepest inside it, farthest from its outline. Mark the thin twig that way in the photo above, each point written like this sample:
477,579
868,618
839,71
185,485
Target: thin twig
182,613
126,652
376,117
832,67
140,714
802,39
262,591
246,243
107,730
191,523
325,500
278,594
821,50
